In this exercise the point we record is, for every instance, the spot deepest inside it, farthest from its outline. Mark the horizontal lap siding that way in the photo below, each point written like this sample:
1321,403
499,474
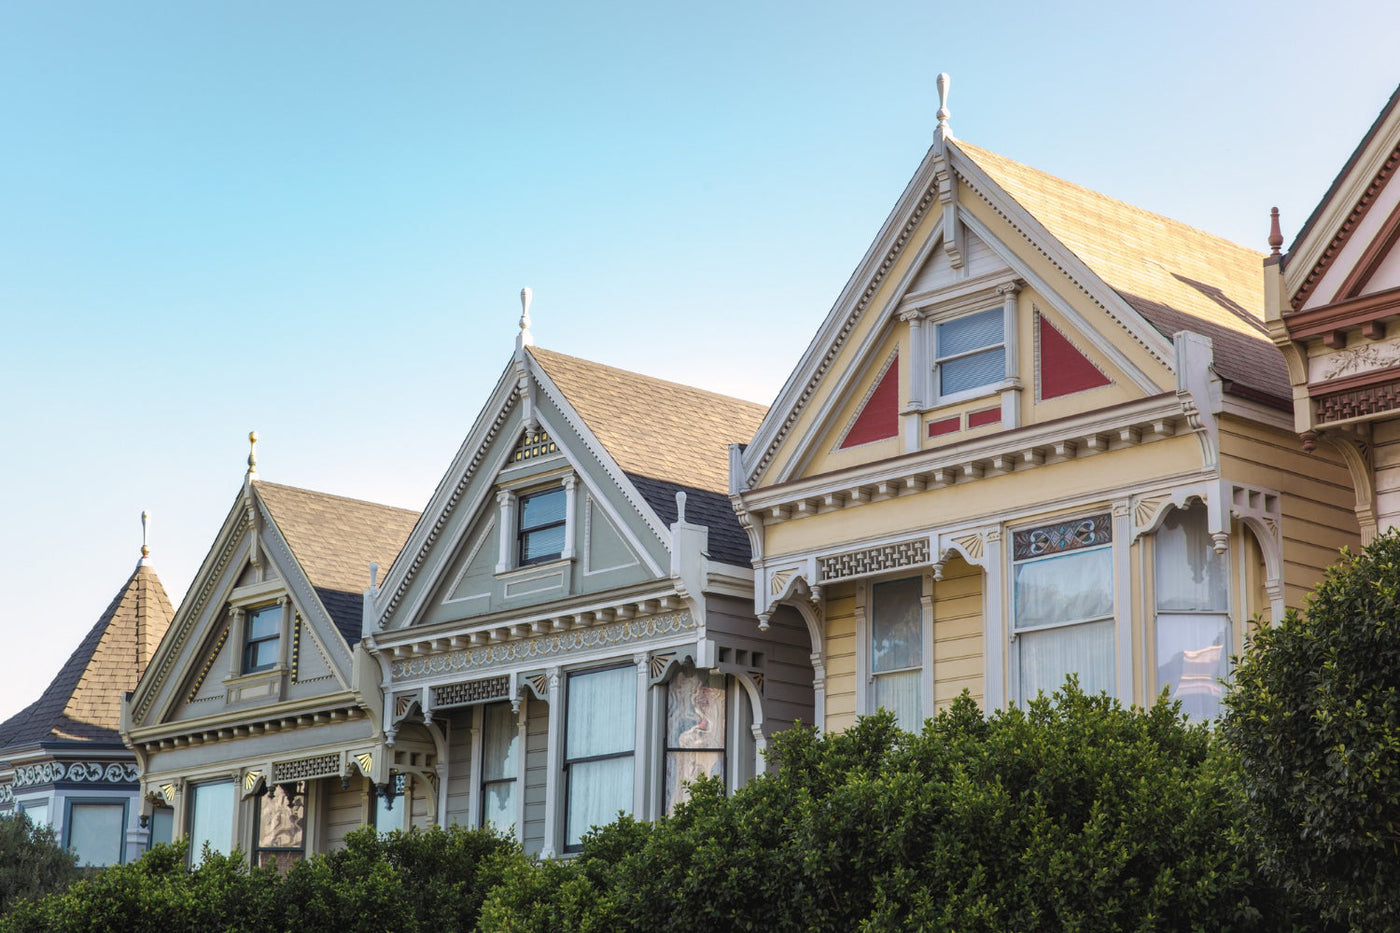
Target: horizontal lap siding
343,811
840,656
459,768
536,768
1319,516
957,633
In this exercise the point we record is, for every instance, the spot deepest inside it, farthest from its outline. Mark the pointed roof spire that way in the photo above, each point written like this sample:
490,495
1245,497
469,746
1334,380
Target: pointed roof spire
525,339
145,539
944,131
252,455
1275,234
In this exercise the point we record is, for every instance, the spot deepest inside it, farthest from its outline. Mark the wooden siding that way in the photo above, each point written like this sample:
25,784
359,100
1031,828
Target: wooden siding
840,656
957,633
459,768
342,809
536,770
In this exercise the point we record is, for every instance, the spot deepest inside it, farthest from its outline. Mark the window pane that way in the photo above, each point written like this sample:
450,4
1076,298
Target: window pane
1068,588
684,767
97,832
1189,574
597,791
281,819
602,713
1192,659
265,623
896,625
971,372
211,819
970,332
541,509
900,694
499,742
1047,657
542,545
162,825
38,813
263,655
695,710
498,805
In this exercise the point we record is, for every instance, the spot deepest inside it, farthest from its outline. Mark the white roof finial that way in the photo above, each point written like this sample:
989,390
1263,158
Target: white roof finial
944,131
525,340
145,539
252,454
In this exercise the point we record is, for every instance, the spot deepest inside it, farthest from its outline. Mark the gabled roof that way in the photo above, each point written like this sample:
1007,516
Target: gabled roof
1176,276
666,437
334,539
83,703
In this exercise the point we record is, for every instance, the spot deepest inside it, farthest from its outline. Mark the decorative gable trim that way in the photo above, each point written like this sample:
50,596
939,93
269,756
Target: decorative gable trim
870,420
1086,373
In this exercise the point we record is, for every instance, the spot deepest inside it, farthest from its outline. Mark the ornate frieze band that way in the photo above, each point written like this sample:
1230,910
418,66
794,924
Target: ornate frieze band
1063,536
471,691
284,772
873,560
1369,400
78,772
546,646
7,796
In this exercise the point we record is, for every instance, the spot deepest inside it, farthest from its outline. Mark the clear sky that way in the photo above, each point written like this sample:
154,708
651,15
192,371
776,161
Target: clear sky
314,218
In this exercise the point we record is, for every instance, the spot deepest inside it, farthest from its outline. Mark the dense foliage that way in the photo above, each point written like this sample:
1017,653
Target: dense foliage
1074,814
31,862
1315,716
432,882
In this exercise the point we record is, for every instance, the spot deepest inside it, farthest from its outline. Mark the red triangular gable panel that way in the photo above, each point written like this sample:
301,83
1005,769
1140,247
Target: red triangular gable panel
879,417
1063,369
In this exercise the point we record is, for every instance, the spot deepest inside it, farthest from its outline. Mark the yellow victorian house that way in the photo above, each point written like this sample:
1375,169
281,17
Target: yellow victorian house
1042,432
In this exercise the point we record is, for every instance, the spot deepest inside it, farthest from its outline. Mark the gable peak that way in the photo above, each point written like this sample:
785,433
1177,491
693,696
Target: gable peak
943,130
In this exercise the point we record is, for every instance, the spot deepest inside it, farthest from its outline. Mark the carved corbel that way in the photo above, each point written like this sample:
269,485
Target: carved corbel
952,226
1355,450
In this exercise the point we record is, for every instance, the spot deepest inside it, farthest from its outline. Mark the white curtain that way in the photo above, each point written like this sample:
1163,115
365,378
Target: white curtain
1050,655
1189,575
901,694
1072,587
1192,660
211,819
602,712
97,832
500,744
597,791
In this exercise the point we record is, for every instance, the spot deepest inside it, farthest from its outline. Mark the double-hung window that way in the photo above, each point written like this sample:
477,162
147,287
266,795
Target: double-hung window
540,533
969,354
1063,581
96,831
262,639
599,746
695,724
896,649
211,819
1193,620
281,826
500,762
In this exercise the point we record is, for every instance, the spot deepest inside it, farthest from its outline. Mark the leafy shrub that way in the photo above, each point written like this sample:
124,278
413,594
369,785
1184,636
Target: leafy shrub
31,862
1072,814
1314,713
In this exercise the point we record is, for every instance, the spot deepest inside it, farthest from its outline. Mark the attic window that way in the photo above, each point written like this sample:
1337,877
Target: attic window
541,530
264,628
969,354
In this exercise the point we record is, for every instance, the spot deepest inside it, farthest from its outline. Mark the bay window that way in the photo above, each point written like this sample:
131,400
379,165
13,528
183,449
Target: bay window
600,736
1193,622
896,649
500,762
96,831
281,821
695,728
1063,616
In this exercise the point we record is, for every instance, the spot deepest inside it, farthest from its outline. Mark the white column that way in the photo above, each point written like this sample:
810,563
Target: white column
475,765
818,690
522,722
1123,596
864,679
994,621
641,755
570,526
918,359
553,785
1011,334
235,643
506,561
926,681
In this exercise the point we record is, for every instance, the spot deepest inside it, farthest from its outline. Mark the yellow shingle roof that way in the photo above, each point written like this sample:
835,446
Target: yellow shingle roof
1176,276
654,428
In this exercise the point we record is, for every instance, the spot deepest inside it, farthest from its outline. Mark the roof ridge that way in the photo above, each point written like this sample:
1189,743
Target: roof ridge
634,374
1128,205
263,484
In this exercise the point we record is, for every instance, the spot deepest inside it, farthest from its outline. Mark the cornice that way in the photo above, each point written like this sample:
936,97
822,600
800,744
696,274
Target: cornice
1353,312
243,723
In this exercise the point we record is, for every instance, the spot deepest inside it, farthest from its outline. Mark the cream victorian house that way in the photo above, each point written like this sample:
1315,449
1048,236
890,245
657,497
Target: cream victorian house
1042,432
1333,307
569,630
250,724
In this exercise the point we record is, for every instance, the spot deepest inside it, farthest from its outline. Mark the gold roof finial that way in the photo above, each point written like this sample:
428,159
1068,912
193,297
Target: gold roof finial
145,538
252,454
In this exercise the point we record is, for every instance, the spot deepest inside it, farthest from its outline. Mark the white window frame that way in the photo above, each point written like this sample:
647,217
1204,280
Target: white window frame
936,359
114,803
508,502
192,791
925,648
1014,632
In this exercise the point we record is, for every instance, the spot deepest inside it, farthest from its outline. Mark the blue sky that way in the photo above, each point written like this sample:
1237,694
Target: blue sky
313,219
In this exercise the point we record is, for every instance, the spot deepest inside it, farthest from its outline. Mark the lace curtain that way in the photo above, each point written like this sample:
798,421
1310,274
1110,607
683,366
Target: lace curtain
600,741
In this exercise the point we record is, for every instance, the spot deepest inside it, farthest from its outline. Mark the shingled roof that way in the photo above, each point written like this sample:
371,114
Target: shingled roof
334,539
666,437
83,703
1175,276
